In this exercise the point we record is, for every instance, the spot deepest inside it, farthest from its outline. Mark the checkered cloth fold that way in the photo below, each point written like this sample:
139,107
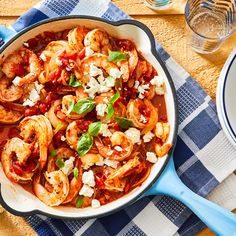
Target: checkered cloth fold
203,156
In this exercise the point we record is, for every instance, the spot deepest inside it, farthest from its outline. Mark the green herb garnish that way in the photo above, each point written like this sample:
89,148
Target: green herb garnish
115,56
94,128
110,108
60,163
74,82
79,201
84,106
58,127
123,122
53,153
70,107
76,172
84,144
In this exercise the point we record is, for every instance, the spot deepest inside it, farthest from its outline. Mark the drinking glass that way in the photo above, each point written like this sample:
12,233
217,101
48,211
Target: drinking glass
210,22
158,4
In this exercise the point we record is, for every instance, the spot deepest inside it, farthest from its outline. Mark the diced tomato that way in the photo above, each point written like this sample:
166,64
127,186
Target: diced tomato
17,169
106,141
144,110
126,44
30,111
82,54
83,124
18,70
30,166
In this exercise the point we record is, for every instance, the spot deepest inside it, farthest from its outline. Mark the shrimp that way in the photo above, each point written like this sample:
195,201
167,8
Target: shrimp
121,147
16,63
52,115
8,116
128,66
90,159
135,108
162,130
16,148
121,172
76,182
98,41
162,150
9,93
76,37
60,185
39,126
98,60
72,133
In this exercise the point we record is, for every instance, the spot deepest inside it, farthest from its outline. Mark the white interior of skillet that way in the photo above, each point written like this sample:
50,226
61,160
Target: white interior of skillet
22,201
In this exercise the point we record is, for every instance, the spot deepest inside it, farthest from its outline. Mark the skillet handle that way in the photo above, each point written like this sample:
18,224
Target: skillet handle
220,220
5,34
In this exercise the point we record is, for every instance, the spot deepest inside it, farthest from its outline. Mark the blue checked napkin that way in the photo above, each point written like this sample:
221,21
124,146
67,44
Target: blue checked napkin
203,156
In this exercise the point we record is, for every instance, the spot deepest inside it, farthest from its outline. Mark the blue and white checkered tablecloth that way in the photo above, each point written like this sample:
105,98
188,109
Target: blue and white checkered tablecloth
203,156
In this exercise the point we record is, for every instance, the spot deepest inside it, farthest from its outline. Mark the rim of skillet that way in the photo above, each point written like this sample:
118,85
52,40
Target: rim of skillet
157,57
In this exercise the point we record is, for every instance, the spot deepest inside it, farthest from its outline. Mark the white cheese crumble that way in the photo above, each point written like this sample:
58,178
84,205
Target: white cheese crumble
143,119
134,135
115,73
43,57
136,84
88,178
110,81
88,51
63,138
148,137
101,109
111,163
142,89
158,82
95,203
16,80
68,166
118,148
38,86
105,100
95,71
86,191
58,61
104,131
28,102
151,157
26,44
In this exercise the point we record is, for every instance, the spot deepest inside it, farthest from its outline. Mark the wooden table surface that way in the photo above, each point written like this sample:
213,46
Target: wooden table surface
170,31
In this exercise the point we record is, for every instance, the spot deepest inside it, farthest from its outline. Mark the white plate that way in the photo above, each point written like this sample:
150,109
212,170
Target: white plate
226,98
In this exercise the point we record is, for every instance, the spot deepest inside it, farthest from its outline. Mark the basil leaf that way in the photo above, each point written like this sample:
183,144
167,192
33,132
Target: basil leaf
94,128
76,172
84,106
84,144
79,201
59,163
74,82
115,97
115,56
110,111
58,127
53,153
123,122
70,107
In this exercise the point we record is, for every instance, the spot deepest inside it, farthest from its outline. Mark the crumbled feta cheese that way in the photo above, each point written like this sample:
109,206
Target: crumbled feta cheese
38,86
63,138
68,166
16,80
151,157
43,57
111,163
88,178
142,89
94,71
88,51
110,153
34,96
26,44
115,73
58,61
95,203
136,84
105,100
105,131
143,119
100,163
86,191
101,109
118,148
28,102
159,84
134,135
148,137
110,82
92,87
